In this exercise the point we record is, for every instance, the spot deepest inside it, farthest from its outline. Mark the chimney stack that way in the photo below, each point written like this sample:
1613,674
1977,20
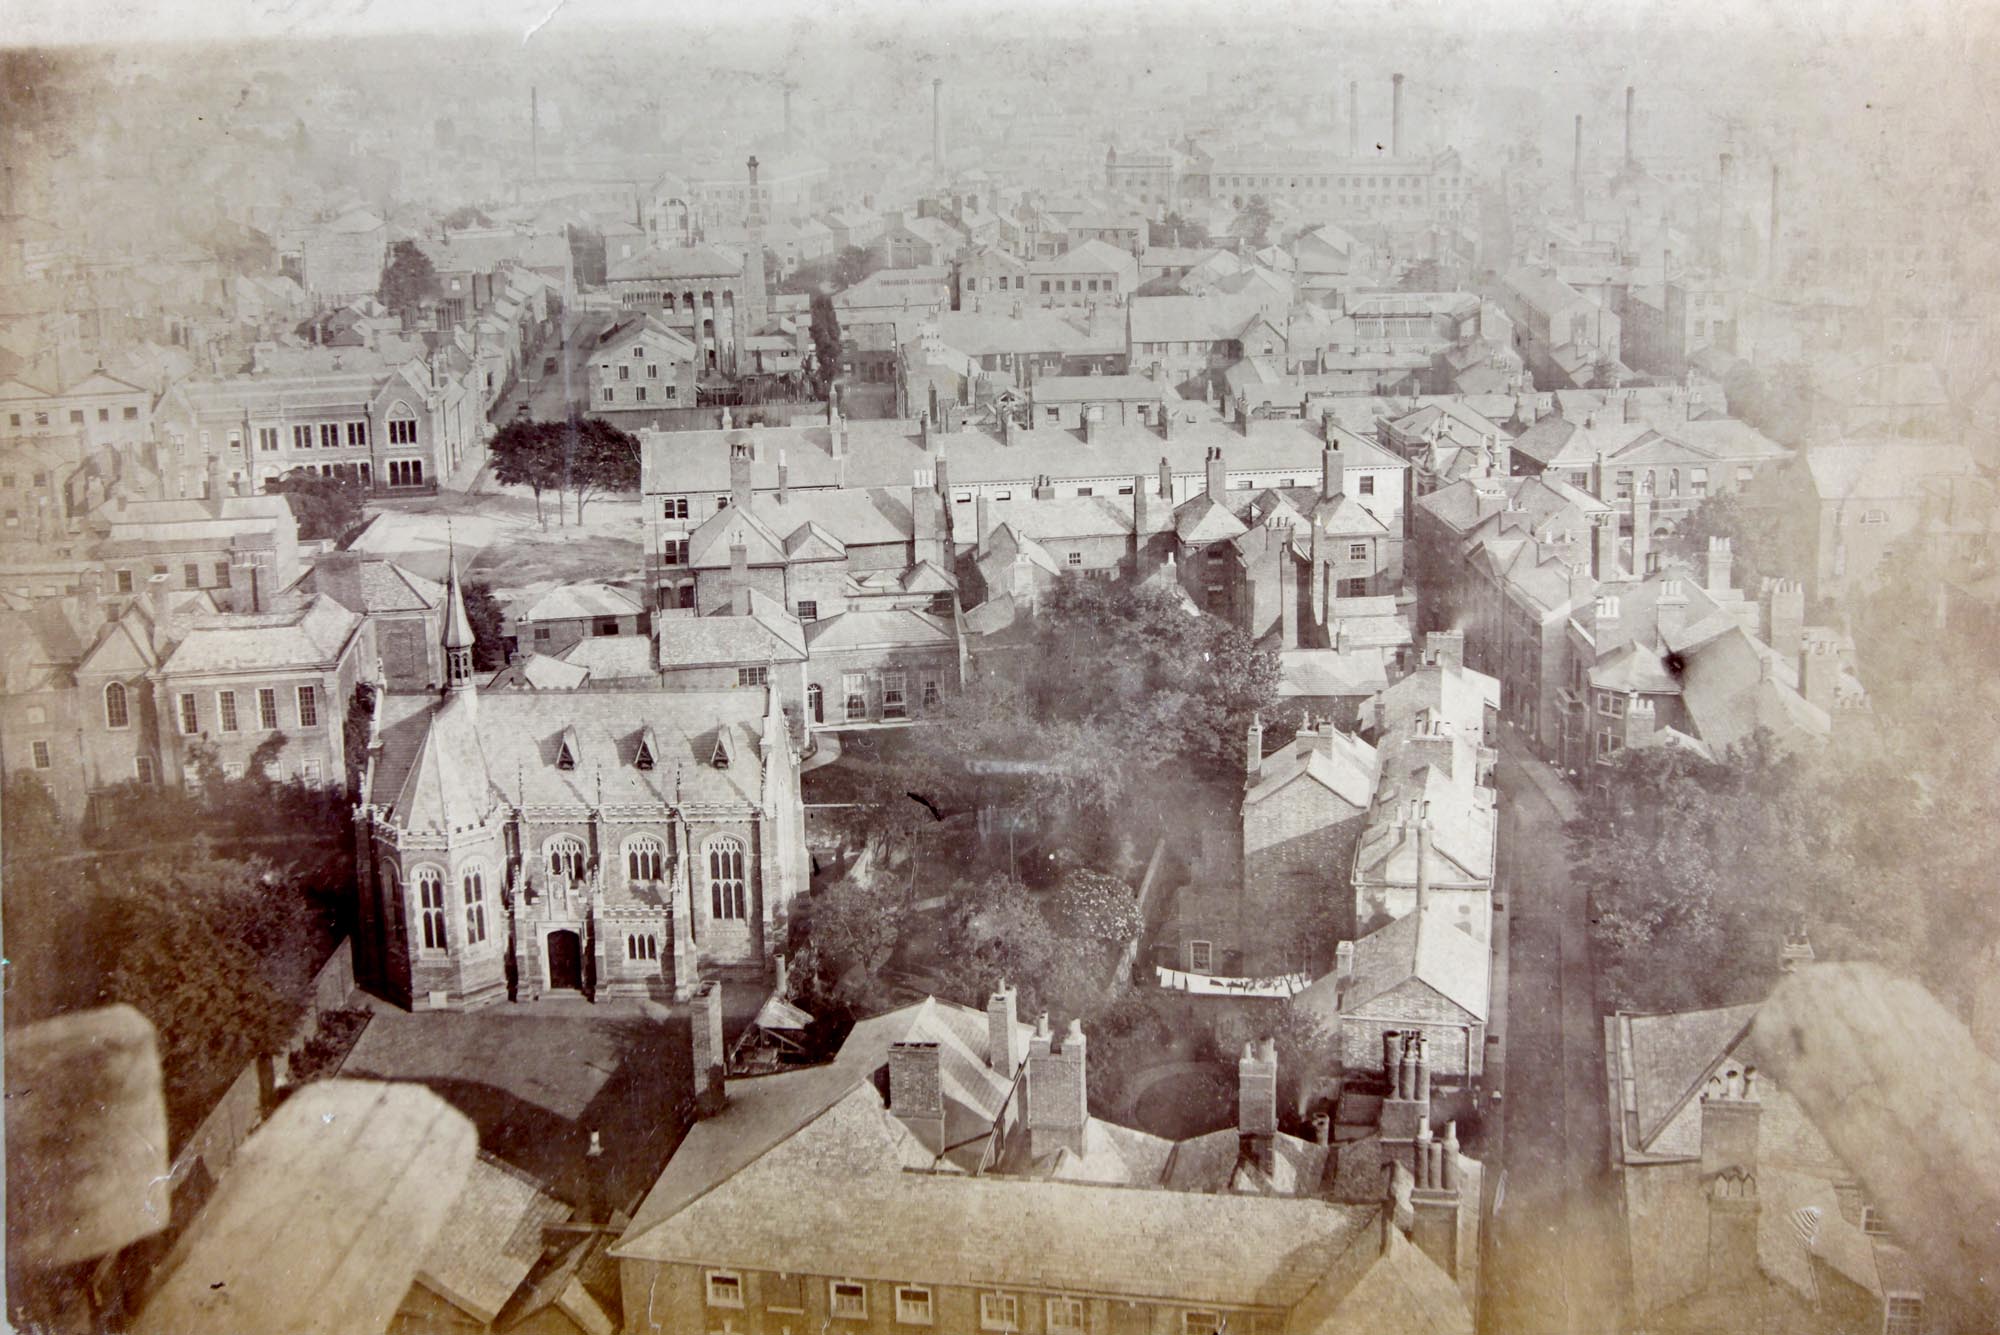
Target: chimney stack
1446,648
937,126
1058,1103
1718,572
1218,477
1332,472
1257,1104
916,1091
788,113
216,491
1642,527
1141,519
1396,116
1005,1048
1354,118
1773,257
1253,750
1167,481
1604,547
1343,963
710,1059
740,459
1576,170
1288,591
739,579
159,589
784,478
1785,619
1406,1107
1629,159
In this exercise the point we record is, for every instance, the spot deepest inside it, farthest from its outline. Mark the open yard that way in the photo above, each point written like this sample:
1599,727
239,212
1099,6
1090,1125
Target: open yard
499,540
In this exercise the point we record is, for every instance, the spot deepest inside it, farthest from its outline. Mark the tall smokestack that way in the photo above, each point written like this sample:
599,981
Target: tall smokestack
1354,118
1774,220
1628,125
534,133
937,124
788,113
1395,115
1576,169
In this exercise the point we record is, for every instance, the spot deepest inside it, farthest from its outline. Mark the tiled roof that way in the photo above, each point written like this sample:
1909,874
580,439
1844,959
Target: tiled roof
1729,694
1207,319
677,262
490,1239
369,585
1542,292
898,627
569,602
1328,672
297,638
1427,946
612,657
1672,1055
767,635
1343,764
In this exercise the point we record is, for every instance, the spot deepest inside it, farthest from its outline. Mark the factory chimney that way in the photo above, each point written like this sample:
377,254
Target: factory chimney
1354,118
937,125
1576,169
534,133
1628,125
788,113
1774,220
1395,115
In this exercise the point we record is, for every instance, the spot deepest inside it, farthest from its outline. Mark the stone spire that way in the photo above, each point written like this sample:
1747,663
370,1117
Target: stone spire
457,637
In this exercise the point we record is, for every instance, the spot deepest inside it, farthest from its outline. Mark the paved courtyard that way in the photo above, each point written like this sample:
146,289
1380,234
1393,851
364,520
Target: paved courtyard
538,1079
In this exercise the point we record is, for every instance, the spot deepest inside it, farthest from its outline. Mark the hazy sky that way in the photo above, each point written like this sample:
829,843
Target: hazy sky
45,21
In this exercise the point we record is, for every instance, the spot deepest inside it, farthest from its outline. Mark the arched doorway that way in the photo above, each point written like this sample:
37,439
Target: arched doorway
565,961
816,702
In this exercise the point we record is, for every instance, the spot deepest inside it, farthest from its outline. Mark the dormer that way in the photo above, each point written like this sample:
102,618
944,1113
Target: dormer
647,756
724,750
569,750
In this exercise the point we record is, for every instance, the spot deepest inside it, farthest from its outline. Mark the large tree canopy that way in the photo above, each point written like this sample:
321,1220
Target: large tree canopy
584,457
325,507
408,277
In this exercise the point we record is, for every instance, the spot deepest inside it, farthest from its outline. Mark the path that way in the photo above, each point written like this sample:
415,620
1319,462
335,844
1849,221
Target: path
1557,1261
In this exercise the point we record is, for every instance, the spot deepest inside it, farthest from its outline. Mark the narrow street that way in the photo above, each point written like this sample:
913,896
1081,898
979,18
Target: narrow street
1556,1262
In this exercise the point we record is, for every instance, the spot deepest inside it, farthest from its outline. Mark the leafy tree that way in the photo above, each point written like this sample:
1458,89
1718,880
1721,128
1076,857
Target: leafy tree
853,264
465,215
409,279
1422,276
1780,403
1258,214
482,609
1174,230
1308,1051
826,341
325,507
1095,907
854,928
598,459
530,454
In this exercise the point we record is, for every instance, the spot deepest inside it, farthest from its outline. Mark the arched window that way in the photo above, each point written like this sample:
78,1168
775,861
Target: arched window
1673,482
816,702
725,879
643,858
430,903
566,857
474,885
116,715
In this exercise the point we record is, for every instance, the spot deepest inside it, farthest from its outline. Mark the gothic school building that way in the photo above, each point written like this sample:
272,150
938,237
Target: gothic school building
514,844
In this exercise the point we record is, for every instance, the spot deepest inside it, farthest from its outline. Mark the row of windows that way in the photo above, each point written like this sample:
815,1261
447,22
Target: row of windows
639,393
229,718
76,417
432,912
847,1300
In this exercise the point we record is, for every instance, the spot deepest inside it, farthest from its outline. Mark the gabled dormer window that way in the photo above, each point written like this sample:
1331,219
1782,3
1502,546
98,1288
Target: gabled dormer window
721,755
648,754
567,750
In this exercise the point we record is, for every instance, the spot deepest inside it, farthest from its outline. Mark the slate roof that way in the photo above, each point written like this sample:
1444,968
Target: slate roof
612,657
569,602
1673,1054
368,585
1095,388
1728,694
1342,763
895,627
490,1239
768,634
1329,672
677,262
1426,946
296,638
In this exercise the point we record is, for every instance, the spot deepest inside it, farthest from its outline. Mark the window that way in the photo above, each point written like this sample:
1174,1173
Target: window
267,708
329,435
784,1293
643,857
144,767
1366,486
302,437
222,572
116,714
1352,588
753,676
402,431
1697,482
1357,551
122,580
225,709
357,433
1902,1314
674,507
652,371
854,695
1744,474
1065,1315
1872,1222
639,394
565,858
190,719
913,1305
893,704
850,1301
309,771
542,632
725,1289
1045,285
1201,956
1201,1323
607,625
474,886
41,754
674,551
808,609
999,1311
430,905
726,898
267,440
406,472
308,706
624,372
1874,516
41,419
76,419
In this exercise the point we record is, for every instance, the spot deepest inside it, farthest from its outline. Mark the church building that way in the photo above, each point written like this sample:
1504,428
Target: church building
514,844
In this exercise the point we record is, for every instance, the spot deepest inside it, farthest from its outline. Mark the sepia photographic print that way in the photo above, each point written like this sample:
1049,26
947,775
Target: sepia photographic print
877,668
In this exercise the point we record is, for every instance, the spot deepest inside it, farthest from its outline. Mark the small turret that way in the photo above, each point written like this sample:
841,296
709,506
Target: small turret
457,637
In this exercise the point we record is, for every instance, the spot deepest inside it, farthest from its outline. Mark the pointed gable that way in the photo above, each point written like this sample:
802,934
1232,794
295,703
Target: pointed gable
730,527
723,753
569,749
646,753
